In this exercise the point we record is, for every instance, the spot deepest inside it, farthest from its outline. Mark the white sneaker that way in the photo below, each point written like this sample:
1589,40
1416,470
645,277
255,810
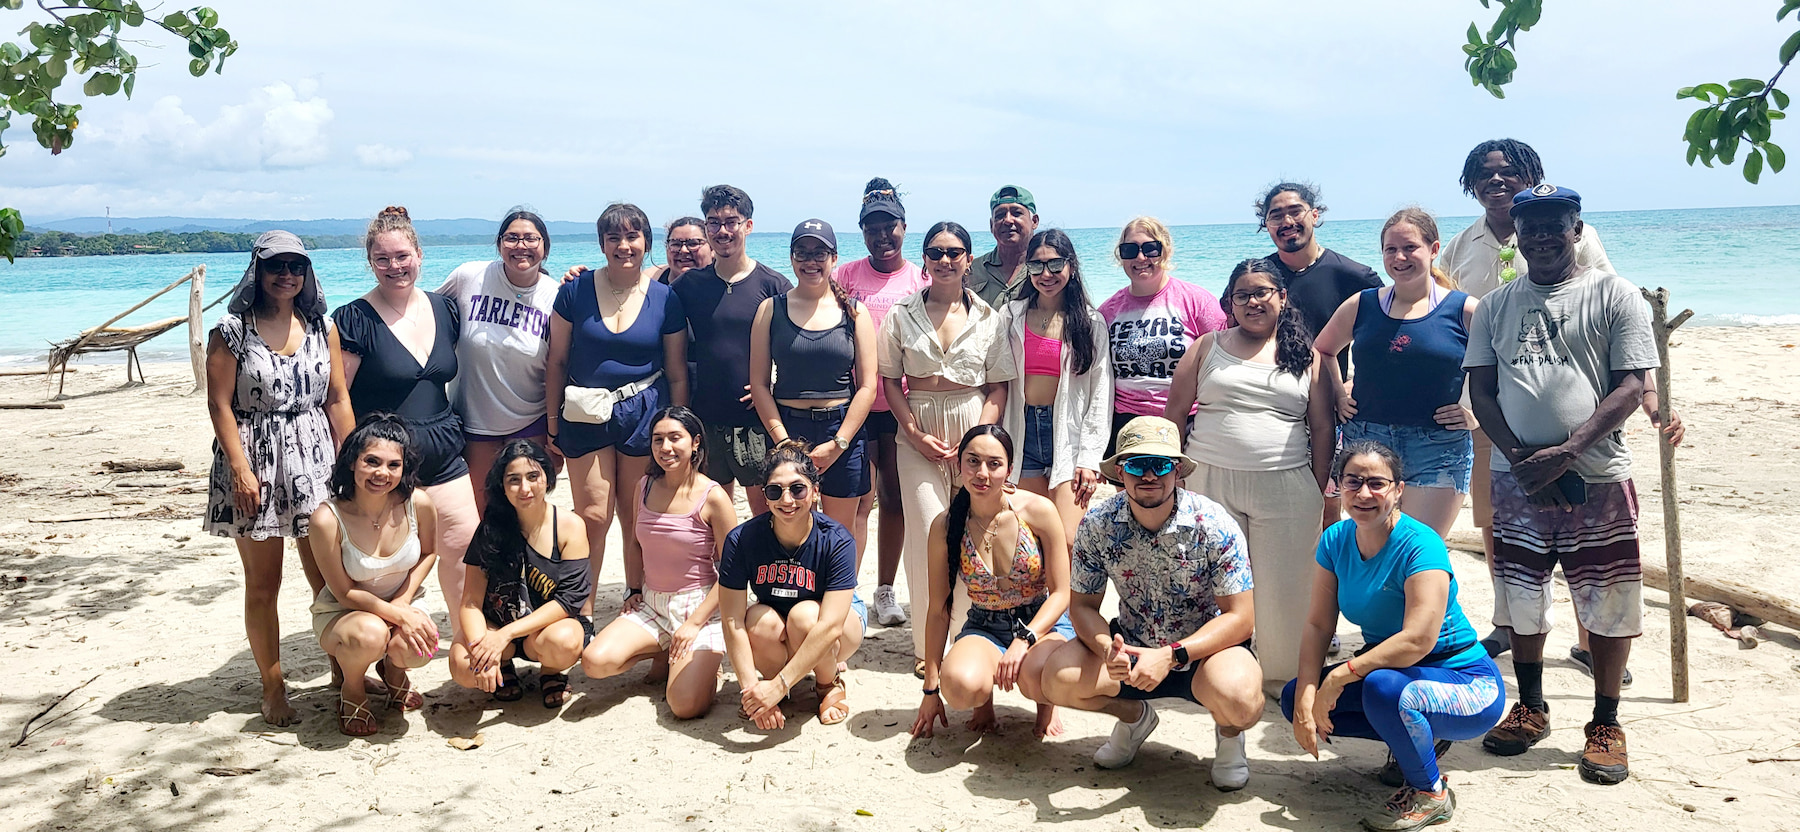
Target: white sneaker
1231,766
1122,748
887,608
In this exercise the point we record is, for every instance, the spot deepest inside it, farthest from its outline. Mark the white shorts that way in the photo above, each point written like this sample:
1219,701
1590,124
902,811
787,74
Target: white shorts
662,613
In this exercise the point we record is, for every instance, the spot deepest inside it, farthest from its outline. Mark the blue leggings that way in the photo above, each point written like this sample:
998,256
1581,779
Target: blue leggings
1411,707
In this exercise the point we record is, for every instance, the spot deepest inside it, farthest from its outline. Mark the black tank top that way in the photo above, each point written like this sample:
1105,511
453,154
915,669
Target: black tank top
811,363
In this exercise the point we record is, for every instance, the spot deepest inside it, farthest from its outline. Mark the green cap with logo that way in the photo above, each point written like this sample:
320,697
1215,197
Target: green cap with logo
1011,194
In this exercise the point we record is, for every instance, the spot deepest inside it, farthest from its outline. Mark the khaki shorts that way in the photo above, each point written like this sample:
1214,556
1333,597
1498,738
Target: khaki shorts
1481,488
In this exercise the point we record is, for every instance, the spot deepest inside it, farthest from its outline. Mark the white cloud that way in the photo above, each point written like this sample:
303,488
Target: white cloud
89,199
281,126
382,157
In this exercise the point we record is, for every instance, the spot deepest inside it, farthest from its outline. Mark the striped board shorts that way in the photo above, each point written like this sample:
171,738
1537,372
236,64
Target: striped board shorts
1597,545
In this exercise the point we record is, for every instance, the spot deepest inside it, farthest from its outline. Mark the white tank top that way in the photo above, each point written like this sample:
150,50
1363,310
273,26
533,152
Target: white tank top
1250,416
379,576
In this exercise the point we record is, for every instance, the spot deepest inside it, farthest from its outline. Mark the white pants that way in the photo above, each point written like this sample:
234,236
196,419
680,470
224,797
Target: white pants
1279,512
925,490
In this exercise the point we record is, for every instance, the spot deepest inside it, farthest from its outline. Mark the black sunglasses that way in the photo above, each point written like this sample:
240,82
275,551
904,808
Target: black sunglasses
797,490
936,253
1037,267
1130,251
294,267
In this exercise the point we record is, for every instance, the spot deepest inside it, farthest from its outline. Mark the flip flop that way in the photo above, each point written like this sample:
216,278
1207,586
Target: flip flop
833,697
360,722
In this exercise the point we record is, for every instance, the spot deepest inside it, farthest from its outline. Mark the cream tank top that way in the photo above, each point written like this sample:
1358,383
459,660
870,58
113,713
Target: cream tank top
1250,416
378,576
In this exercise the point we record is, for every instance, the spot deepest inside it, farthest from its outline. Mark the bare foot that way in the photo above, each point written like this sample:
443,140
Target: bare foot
659,669
276,710
1049,723
983,720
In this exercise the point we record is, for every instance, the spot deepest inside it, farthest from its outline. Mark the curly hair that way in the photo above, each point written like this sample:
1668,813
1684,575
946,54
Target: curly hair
376,427
1307,191
1517,153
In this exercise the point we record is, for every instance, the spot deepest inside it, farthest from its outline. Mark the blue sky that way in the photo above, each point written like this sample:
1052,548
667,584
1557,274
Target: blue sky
1104,110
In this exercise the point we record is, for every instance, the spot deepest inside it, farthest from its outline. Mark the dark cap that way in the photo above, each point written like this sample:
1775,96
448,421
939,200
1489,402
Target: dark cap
881,201
1012,194
1545,195
817,229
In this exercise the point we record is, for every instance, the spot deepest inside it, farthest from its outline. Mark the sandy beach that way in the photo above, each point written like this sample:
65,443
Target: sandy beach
142,618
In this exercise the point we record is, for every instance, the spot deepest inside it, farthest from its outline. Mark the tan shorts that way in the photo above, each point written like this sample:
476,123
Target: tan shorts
326,610
1481,488
662,613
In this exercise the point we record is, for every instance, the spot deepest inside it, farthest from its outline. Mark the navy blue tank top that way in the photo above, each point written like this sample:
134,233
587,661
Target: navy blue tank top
817,364
1406,370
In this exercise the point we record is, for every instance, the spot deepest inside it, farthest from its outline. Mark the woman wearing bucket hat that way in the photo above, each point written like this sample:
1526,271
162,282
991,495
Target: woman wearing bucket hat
279,406
1262,435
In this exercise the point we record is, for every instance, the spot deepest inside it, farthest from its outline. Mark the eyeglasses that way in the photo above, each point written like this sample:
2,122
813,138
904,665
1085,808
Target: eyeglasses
1037,267
1351,483
796,490
812,255
398,261
1147,466
936,253
521,239
294,267
676,244
1130,251
731,225
1281,217
1259,294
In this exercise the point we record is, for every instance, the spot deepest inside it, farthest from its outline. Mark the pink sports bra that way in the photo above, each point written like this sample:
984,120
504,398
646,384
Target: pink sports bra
1043,356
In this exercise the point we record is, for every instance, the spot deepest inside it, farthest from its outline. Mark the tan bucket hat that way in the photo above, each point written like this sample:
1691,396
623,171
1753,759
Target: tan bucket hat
1148,436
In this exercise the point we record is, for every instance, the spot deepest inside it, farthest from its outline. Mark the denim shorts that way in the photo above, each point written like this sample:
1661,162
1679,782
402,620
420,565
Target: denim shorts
849,475
997,625
1039,450
1433,457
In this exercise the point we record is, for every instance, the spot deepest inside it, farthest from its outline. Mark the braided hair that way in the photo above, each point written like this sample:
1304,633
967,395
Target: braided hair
1517,153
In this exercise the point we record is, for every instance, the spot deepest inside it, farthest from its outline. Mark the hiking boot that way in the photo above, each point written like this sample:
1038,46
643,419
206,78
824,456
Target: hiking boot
1410,808
1390,774
1122,747
887,609
1586,660
1603,759
1518,732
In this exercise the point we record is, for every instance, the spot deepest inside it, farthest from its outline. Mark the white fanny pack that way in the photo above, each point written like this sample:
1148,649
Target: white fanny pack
594,405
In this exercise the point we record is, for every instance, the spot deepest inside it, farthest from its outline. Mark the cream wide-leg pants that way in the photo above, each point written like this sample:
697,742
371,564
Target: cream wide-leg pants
926,488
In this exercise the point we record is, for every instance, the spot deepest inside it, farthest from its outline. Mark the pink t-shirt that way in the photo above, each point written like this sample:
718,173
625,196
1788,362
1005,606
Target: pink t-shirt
879,292
1149,335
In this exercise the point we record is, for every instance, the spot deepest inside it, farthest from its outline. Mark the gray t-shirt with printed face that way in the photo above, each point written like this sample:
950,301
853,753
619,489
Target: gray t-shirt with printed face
1556,348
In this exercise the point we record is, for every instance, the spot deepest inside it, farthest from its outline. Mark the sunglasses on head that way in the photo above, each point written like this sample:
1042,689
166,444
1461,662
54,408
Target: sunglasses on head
296,268
936,253
1130,251
1037,267
1147,466
797,490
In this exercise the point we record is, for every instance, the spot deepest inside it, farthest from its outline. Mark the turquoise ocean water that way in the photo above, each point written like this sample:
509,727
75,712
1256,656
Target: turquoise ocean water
1732,266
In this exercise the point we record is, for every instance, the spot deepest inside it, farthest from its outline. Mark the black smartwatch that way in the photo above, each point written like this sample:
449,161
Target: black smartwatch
1179,652
1020,631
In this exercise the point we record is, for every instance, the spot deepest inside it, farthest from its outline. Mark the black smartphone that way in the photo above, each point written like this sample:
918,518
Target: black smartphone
1573,488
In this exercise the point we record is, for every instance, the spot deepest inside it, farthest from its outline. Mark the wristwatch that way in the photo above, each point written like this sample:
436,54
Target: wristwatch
1179,652
842,443
1020,631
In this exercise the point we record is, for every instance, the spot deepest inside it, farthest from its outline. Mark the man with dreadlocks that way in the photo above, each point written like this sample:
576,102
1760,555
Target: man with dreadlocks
1484,257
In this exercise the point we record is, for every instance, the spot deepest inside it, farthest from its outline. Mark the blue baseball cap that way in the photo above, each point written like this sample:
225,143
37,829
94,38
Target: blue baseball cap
817,229
1544,195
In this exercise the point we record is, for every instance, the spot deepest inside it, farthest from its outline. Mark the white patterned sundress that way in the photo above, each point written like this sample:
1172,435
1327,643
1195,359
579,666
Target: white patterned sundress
280,408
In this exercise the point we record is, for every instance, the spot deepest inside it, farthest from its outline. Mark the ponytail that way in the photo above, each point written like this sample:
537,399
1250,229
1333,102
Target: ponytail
1443,278
956,523
843,299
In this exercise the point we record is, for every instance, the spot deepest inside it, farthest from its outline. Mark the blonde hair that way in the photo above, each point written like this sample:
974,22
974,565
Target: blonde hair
1421,219
391,218
1158,232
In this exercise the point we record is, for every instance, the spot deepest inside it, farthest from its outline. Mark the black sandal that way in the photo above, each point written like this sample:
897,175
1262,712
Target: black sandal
509,690
556,689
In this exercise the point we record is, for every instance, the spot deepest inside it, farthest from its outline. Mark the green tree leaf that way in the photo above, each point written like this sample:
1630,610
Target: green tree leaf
1777,157
1791,47
1753,165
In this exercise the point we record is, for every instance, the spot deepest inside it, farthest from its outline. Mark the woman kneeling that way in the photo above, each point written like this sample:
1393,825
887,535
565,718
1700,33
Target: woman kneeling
672,601
375,541
802,565
527,580
1011,553
1423,675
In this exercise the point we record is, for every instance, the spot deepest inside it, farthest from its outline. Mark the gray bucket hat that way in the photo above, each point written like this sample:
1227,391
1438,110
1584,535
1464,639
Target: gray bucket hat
311,302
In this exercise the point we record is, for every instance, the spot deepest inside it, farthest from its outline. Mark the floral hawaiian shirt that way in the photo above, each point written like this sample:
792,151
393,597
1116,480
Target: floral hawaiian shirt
1168,579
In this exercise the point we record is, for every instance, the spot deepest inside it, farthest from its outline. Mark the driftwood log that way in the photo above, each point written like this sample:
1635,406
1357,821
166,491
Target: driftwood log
123,466
31,405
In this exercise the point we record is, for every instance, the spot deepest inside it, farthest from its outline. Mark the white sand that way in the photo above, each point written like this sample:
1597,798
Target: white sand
153,608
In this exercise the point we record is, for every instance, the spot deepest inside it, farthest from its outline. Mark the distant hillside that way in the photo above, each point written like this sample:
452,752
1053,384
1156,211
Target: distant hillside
468,227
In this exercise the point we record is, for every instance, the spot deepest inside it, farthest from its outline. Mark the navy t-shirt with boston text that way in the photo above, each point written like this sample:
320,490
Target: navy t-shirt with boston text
754,559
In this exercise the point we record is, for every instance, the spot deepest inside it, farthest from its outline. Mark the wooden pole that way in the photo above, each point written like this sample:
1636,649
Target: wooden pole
1662,326
197,327
75,349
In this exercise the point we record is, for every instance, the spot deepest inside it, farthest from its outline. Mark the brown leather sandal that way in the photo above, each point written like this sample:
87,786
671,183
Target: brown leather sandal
833,697
360,722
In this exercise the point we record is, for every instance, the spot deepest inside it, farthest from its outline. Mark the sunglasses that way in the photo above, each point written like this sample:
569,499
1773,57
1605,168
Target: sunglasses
936,253
796,490
296,268
1130,251
1037,267
1351,483
1147,466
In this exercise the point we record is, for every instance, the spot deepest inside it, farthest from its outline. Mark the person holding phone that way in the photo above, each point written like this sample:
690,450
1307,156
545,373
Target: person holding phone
1556,364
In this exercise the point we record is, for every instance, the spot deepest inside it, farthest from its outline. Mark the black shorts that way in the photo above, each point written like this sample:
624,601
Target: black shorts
736,453
440,443
881,423
1179,684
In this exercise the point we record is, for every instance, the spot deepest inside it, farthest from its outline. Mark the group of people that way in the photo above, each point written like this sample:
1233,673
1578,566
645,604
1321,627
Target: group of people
978,402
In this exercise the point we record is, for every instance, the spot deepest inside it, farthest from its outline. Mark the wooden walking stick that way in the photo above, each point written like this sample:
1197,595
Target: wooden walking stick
1662,325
